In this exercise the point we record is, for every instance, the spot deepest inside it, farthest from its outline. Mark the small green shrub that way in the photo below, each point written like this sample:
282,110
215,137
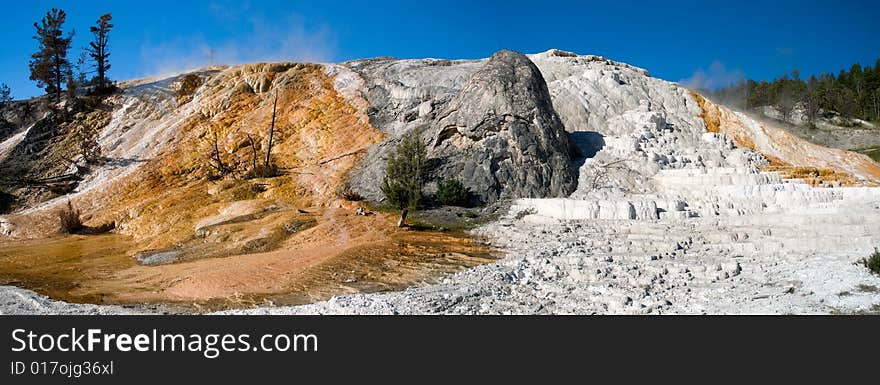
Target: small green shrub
451,192
873,262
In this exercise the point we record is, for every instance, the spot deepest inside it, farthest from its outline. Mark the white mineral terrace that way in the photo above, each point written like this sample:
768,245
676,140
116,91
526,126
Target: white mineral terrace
719,240
666,218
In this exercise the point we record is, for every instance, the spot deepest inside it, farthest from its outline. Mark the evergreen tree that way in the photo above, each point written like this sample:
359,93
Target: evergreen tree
71,85
98,48
854,93
5,94
49,65
404,174
811,100
81,69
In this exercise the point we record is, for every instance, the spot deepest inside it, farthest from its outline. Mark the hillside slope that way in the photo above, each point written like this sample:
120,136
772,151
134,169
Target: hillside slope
668,217
790,154
622,185
191,235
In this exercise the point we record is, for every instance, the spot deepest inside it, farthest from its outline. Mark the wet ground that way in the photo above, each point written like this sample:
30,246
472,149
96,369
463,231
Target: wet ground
413,258
101,269
59,267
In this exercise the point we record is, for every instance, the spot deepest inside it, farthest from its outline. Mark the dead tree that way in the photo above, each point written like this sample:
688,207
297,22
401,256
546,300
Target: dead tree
602,171
221,168
271,132
254,151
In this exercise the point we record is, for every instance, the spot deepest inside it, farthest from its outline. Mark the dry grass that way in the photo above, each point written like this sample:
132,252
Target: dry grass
261,171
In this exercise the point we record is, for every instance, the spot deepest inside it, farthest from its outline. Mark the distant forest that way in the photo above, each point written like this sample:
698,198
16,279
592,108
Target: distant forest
853,94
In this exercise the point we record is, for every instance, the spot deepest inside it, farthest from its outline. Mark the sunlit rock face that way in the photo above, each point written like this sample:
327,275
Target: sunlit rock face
501,136
157,178
489,123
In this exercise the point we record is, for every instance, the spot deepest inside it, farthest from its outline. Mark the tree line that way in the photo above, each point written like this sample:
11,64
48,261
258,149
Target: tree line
50,66
853,94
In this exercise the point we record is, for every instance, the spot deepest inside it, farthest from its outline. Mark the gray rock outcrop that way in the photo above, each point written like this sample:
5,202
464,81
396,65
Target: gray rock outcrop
489,123
501,136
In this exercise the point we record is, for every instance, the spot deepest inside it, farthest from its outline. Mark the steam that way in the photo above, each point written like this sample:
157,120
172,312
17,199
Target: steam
715,77
281,38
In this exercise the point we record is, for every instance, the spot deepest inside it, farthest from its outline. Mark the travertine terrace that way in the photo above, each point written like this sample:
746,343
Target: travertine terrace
680,206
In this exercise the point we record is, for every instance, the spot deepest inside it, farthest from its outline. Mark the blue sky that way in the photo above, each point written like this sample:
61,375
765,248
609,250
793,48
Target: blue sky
709,42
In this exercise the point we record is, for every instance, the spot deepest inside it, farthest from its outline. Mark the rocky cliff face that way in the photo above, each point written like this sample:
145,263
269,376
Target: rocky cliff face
403,95
155,179
504,125
489,123
628,124
501,136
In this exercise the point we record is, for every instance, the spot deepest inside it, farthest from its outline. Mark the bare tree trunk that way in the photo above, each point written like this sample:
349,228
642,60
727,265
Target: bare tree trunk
876,108
220,167
254,151
271,130
403,213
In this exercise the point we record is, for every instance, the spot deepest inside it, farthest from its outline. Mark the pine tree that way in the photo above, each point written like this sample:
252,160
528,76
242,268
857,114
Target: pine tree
81,69
5,94
404,174
98,48
49,64
811,100
71,85
854,93
875,99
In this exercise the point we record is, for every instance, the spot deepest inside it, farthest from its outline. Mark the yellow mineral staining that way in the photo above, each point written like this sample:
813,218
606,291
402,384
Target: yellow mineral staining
814,176
709,116
241,239
166,197
791,156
